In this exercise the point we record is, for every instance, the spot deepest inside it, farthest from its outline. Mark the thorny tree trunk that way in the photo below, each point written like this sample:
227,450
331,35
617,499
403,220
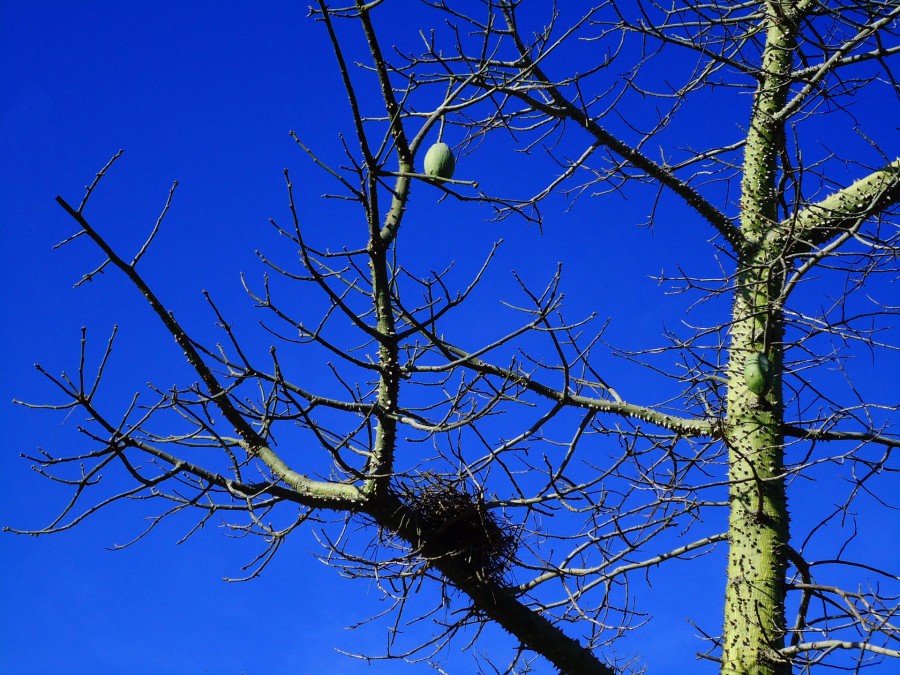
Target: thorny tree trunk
758,523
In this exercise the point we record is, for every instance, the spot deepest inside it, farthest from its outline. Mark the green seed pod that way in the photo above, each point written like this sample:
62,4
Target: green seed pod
758,373
439,161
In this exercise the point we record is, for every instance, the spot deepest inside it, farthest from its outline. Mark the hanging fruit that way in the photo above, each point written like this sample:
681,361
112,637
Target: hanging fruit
758,373
439,162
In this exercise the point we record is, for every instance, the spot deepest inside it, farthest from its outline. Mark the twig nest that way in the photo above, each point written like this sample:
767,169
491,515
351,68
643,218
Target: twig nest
758,373
457,524
439,161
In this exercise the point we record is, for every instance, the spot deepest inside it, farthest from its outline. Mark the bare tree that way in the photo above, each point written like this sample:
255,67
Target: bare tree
544,488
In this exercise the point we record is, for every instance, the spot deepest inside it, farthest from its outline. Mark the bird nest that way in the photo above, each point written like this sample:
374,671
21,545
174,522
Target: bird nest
456,524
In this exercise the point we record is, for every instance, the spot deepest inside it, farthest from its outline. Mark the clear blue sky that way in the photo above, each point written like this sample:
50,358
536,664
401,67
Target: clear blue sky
206,93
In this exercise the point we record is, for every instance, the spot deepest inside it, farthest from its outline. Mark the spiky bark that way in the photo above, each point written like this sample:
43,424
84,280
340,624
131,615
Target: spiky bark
758,523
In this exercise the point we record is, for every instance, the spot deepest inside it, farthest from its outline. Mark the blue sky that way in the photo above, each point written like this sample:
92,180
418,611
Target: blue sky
205,93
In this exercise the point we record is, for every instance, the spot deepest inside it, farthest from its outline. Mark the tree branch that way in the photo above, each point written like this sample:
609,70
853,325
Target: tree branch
818,223
831,645
563,108
826,435
459,357
253,442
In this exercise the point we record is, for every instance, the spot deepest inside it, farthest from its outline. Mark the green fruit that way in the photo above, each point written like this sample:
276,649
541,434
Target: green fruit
439,161
758,373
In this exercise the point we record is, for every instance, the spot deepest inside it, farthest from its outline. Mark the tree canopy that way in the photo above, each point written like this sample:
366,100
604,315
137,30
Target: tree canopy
509,452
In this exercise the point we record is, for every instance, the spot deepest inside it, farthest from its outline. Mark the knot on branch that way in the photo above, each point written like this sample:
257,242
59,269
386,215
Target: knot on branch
456,525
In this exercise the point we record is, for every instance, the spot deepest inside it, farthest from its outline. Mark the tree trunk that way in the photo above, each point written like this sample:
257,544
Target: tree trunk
758,523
